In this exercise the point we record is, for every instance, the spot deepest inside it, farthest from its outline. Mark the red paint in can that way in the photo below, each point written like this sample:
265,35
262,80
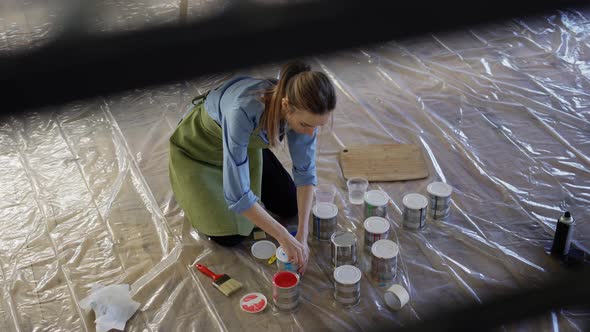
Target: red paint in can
285,279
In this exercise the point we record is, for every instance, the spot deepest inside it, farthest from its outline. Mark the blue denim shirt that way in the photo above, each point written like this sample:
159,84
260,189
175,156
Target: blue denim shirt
237,107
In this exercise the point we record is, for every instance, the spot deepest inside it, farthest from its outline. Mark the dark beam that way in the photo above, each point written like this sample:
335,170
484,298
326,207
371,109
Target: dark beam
89,66
564,290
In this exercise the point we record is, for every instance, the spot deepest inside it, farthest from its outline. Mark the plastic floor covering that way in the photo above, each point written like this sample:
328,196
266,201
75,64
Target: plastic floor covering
502,113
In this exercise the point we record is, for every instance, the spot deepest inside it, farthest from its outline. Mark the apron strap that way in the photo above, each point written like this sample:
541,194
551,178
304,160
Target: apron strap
199,97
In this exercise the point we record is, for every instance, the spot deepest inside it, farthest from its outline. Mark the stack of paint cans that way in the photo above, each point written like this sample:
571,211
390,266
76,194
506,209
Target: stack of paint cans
324,220
384,260
376,228
376,203
285,290
343,249
347,288
440,200
414,215
283,263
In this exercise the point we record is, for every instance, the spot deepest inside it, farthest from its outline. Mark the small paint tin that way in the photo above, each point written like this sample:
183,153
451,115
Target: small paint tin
439,200
384,260
324,220
347,285
343,248
376,203
283,263
285,290
414,215
376,228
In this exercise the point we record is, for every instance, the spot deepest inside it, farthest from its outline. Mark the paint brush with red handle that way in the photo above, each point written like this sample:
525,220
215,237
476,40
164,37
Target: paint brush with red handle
223,282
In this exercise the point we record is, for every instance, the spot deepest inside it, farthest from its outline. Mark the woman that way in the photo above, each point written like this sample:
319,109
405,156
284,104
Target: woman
220,162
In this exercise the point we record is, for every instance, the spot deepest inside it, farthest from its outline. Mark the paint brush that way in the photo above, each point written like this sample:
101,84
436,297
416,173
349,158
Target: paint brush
223,282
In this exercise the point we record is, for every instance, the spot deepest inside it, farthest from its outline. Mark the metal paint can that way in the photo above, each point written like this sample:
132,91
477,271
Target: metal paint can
283,263
384,260
324,220
439,200
343,248
376,228
347,285
376,203
285,290
414,215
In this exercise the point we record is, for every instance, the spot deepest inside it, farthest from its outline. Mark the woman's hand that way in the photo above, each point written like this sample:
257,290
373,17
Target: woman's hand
297,252
302,238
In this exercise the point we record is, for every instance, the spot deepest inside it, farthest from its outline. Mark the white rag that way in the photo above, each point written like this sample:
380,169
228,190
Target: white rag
112,306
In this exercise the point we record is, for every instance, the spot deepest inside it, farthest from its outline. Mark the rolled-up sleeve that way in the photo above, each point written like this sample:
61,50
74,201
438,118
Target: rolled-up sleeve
237,128
302,149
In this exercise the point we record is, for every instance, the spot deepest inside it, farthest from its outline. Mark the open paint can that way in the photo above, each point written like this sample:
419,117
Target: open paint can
285,290
343,246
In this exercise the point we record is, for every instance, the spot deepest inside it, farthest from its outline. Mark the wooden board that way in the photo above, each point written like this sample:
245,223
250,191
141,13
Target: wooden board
383,162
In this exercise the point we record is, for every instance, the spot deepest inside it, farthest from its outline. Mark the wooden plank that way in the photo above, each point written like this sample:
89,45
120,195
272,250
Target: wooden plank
384,162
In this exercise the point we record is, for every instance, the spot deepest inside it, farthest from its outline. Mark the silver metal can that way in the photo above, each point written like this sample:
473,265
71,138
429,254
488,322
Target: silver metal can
376,228
439,214
414,214
347,285
376,203
324,220
439,200
285,290
384,260
343,248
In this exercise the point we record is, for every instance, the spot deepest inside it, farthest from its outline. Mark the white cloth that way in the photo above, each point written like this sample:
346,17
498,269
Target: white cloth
112,306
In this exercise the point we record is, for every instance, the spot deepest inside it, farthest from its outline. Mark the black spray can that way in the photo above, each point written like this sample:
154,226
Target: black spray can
563,235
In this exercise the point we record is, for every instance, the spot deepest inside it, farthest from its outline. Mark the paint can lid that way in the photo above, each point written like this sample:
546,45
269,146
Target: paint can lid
376,225
396,297
325,210
415,201
347,274
384,249
263,249
439,189
253,302
376,198
343,239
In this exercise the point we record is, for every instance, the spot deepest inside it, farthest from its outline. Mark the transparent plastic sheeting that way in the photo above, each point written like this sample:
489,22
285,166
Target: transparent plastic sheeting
502,113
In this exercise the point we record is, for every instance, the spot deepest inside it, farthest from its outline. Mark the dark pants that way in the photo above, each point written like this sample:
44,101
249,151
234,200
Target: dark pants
279,194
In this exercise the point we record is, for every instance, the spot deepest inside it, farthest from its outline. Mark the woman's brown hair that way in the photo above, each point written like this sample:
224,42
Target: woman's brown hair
305,89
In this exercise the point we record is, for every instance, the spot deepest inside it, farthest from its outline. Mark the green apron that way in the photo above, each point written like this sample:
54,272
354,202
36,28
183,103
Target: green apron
196,174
